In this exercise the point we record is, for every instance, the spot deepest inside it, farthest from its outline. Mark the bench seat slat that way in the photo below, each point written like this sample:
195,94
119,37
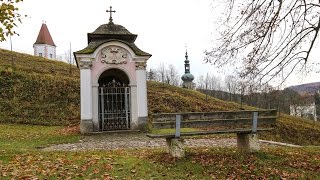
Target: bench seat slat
264,111
214,122
214,115
172,135
216,119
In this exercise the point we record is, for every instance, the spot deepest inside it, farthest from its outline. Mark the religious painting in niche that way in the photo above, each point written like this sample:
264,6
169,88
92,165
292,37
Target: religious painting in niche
114,55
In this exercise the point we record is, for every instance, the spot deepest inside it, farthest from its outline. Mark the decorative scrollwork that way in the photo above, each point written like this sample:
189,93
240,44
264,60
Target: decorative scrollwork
115,83
114,55
85,64
141,65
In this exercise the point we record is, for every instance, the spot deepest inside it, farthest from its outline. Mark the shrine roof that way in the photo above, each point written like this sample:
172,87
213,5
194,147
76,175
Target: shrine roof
93,45
111,31
111,28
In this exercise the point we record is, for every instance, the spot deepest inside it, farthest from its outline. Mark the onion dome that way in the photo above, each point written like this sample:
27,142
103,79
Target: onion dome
187,77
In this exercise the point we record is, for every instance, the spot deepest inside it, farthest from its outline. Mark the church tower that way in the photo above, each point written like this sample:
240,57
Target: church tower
44,45
187,78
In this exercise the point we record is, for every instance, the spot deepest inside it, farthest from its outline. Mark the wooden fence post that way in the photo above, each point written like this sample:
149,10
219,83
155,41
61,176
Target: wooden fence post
178,125
255,122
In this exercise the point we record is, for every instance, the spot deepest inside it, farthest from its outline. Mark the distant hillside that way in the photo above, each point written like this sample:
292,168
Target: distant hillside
41,91
167,98
37,90
309,88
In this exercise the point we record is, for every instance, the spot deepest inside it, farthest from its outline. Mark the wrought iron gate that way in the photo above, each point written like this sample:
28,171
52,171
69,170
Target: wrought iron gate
114,107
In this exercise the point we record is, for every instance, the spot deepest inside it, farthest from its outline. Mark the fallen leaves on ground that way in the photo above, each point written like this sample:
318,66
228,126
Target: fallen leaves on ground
74,129
227,163
56,165
199,163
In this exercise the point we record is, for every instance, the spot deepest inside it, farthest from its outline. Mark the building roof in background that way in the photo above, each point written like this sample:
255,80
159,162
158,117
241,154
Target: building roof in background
44,36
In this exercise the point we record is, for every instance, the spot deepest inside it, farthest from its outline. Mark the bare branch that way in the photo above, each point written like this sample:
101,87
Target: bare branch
268,37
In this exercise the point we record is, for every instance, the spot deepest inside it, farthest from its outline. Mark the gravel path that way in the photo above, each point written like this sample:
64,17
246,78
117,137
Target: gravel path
133,141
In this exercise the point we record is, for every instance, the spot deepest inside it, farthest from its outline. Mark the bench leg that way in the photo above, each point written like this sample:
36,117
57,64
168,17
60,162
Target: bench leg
176,147
248,142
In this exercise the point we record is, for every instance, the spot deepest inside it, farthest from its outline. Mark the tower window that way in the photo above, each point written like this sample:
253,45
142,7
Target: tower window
40,54
51,56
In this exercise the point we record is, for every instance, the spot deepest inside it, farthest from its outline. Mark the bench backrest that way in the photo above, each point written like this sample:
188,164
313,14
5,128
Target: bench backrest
215,119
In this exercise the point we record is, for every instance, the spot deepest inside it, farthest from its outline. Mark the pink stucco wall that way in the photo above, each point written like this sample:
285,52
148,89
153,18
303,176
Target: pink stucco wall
98,68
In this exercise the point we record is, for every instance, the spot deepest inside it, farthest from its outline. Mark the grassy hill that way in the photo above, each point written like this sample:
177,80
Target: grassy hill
40,91
36,90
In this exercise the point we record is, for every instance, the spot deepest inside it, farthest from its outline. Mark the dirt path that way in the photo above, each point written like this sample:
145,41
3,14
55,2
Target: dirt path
133,141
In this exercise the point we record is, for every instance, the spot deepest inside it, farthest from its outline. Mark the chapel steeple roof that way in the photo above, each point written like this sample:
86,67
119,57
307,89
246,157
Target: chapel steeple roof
111,32
44,36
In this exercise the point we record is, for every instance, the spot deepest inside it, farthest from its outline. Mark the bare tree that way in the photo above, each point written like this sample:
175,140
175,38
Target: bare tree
269,37
266,100
165,74
241,89
231,85
172,75
206,84
215,85
151,75
68,57
200,82
162,72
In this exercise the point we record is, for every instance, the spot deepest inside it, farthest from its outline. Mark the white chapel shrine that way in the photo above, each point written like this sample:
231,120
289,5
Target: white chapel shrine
112,80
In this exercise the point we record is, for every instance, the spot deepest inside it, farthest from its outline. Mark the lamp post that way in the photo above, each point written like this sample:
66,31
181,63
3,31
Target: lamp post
12,62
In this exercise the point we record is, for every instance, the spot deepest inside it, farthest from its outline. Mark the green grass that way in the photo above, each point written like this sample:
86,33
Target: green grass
294,130
44,92
35,65
21,159
16,139
172,131
38,91
163,98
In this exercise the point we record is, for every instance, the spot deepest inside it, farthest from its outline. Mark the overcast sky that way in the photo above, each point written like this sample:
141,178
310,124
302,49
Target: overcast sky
163,27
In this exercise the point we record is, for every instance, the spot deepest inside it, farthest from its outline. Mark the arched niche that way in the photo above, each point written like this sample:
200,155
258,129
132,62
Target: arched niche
113,77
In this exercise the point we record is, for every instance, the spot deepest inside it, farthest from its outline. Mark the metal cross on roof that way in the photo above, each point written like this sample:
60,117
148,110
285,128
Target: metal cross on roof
110,11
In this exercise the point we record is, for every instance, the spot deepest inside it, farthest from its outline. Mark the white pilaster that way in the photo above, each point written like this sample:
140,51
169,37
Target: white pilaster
95,107
85,90
134,107
142,89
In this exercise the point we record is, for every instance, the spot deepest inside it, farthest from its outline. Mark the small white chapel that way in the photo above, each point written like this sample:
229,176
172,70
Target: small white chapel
112,80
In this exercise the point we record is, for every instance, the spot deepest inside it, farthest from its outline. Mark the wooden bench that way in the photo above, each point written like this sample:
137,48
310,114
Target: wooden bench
244,123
